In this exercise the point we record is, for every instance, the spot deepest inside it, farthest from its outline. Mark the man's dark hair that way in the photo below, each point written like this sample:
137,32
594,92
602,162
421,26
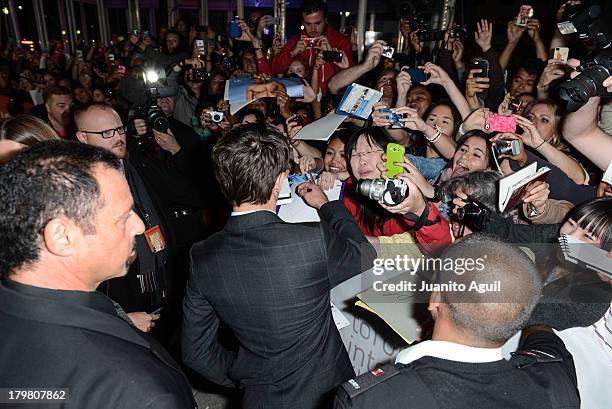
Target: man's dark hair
247,162
314,6
533,66
492,316
55,90
482,186
259,117
49,180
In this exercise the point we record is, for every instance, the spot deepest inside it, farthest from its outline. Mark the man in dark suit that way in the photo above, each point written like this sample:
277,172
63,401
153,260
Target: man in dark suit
269,282
67,223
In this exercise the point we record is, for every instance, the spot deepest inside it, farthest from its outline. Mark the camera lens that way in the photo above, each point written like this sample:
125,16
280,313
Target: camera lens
371,188
587,84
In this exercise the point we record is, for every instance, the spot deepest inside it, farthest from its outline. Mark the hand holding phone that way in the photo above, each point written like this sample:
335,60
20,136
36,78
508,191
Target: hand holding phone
395,153
500,123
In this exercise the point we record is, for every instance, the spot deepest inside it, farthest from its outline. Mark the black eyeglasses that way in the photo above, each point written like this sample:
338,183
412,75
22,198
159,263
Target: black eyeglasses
109,133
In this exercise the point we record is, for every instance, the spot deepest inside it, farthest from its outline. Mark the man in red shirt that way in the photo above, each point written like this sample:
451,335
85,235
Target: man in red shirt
315,25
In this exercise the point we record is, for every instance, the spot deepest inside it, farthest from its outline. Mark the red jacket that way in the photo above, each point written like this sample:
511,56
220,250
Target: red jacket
281,62
432,238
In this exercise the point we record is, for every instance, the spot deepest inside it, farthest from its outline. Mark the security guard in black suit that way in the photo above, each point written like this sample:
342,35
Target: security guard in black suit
463,366
67,217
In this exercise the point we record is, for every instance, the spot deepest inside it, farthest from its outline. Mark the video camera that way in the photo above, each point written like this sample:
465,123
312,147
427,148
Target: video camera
586,22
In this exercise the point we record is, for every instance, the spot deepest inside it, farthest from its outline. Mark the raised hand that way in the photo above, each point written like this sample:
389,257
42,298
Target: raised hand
483,34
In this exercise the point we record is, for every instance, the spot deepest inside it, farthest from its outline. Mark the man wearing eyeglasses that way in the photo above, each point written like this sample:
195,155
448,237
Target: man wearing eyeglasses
143,292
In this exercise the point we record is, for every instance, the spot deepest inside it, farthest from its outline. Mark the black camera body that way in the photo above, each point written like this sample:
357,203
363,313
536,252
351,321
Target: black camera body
591,29
151,113
429,34
458,32
198,75
332,56
474,215
576,92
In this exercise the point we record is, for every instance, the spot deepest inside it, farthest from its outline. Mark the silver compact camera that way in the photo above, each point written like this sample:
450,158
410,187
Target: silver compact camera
507,147
215,116
390,192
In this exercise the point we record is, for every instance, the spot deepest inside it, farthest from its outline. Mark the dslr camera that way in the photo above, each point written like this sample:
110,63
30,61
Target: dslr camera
586,22
474,215
429,34
150,112
390,192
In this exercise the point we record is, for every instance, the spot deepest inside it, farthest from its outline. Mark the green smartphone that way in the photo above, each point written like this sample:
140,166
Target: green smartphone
395,153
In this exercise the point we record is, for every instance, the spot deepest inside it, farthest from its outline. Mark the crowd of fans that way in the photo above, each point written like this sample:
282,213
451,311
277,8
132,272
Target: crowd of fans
98,96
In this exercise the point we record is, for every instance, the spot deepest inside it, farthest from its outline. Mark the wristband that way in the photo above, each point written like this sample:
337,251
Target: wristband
423,219
436,137
543,142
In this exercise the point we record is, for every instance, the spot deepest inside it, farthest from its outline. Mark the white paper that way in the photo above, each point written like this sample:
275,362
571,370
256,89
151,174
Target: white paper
321,129
339,318
285,195
37,97
299,212
607,177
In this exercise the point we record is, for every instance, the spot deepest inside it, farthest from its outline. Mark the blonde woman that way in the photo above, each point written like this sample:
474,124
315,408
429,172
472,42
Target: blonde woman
545,116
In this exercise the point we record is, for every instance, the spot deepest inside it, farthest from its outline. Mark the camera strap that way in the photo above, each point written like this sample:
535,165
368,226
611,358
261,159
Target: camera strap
423,219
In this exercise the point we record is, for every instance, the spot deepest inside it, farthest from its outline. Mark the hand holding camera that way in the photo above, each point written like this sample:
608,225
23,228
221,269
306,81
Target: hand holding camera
413,201
437,75
531,136
475,84
403,82
374,54
167,141
509,145
300,46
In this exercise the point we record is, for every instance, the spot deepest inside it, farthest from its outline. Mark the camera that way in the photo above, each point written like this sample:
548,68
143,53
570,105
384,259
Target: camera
396,119
429,34
458,32
388,51
332,56
507,147
586,22
474,215
198,75
151,113
576,92
311,41
390,192
515,104
215,116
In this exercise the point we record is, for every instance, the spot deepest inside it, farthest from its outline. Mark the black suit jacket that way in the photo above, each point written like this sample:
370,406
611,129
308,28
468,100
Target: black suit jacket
75,340
269,281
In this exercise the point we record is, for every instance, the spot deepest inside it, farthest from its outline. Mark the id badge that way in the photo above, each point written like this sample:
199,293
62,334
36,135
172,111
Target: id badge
155,239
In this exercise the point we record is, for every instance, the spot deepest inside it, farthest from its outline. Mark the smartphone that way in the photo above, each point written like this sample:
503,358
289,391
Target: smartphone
561,53
111,57
395,153
483,65
80,55
388,51
417,75
121,70
201,48
525,12
235,30
500,123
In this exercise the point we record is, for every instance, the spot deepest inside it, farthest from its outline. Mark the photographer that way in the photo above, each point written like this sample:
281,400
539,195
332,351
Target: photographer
326,38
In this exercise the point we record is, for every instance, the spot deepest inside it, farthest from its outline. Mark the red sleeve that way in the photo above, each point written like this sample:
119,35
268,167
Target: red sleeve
434,238
263,66
282,61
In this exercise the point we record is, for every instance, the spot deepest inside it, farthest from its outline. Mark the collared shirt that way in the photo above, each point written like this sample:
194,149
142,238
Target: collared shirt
251,211
89,299
449,351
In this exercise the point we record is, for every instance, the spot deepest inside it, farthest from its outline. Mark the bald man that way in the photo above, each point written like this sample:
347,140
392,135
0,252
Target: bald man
143,291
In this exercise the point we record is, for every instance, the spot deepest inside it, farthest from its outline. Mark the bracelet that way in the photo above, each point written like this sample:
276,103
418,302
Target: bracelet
436,137
543,142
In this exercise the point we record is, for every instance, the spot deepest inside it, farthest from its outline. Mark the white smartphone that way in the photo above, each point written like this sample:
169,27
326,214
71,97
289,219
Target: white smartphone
561,53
